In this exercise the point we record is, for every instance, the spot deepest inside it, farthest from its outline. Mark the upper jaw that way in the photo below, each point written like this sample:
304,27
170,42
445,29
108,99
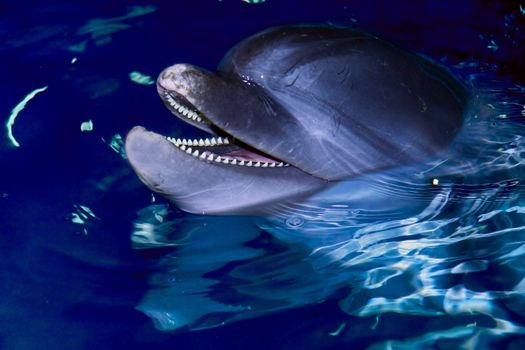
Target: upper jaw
205,149
176,86
183,109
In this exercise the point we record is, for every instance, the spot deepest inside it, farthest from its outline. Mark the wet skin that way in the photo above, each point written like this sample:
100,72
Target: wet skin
296,109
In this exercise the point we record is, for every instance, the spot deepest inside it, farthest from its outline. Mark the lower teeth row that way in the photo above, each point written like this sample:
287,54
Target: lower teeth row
183,144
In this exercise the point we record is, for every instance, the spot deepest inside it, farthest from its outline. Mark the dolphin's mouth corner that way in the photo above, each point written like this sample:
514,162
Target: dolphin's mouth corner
222,148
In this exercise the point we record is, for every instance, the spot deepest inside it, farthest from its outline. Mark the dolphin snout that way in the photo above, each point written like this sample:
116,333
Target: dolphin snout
180,78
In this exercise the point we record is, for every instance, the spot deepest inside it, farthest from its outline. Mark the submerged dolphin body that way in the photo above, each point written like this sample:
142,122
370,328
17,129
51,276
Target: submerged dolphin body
294,109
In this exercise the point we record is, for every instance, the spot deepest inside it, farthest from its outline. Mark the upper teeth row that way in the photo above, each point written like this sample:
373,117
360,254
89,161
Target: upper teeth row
211,157
182,109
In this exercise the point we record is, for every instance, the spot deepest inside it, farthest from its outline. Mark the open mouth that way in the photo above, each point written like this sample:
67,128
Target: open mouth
223,149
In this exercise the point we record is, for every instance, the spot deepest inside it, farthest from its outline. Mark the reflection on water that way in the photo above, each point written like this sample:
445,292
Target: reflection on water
100,30
442,239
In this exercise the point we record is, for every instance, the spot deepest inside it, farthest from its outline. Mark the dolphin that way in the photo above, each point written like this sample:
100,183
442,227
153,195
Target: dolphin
292,110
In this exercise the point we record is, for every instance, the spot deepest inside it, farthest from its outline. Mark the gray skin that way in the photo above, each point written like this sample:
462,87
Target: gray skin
334,103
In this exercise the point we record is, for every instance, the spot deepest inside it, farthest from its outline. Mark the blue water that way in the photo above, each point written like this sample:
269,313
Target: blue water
428,255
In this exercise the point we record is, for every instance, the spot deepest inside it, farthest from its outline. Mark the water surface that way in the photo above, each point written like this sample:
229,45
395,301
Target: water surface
427,255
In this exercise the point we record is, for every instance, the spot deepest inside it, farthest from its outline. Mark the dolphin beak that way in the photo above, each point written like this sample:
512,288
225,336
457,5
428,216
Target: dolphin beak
146,152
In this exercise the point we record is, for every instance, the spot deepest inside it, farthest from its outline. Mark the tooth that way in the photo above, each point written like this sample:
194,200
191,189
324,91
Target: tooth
203,155
199,119
226,141
194,117
180,109
286,164
264,165
179,141
218,159
234,161
190,143
185,112
188,150
213,141
280,164
219,141
225,160
207,142
183,147
249,163
210,157
183,141
201,142
196,153
272,165
241,162
258,164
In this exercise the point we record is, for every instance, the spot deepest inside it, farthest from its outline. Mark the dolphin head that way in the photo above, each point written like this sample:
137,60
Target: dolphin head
291,110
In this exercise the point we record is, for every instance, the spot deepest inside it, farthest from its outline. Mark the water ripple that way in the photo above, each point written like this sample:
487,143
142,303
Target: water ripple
443,239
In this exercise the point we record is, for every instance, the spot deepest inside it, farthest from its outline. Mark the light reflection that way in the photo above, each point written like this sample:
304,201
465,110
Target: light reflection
14,114
394,242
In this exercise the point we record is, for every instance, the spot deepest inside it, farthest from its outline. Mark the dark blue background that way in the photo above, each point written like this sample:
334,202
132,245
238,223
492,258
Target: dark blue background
62,289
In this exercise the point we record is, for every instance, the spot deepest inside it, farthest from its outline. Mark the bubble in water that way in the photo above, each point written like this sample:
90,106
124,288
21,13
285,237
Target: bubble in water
294,222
